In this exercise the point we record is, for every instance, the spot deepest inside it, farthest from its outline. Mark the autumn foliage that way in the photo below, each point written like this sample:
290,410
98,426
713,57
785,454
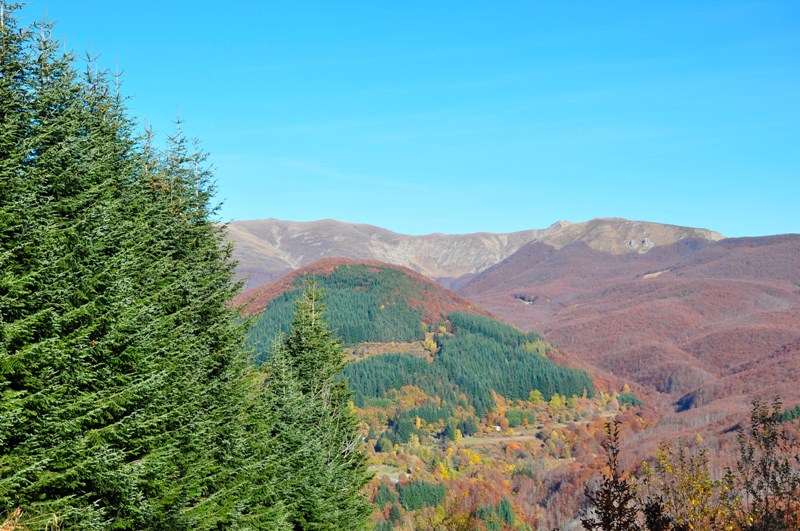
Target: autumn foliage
678,490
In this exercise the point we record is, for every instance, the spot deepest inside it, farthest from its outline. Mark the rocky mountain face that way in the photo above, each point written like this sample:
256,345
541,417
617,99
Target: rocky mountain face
268,249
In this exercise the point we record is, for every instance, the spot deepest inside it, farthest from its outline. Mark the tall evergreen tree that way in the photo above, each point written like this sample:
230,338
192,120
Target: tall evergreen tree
316,426
126,398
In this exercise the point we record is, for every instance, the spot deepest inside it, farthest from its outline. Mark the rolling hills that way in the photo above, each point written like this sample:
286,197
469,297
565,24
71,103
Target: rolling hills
697,327
703,323
685,314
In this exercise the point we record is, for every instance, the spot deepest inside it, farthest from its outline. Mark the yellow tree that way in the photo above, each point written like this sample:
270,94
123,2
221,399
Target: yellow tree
678,489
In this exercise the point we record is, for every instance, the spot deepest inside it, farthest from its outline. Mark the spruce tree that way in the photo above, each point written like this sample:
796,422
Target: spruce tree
316,428
126,398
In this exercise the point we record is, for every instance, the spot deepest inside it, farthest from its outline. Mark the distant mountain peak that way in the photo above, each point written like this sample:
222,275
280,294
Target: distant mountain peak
269,248
558,225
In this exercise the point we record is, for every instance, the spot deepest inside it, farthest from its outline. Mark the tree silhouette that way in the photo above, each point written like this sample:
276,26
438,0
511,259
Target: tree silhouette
613,503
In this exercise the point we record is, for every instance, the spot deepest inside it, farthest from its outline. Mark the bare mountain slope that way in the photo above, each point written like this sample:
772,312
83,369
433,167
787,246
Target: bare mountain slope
267,249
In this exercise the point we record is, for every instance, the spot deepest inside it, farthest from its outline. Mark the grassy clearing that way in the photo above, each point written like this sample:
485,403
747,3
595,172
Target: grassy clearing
493,439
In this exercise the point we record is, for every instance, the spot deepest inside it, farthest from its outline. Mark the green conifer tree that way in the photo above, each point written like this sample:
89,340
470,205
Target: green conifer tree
316,427
126,398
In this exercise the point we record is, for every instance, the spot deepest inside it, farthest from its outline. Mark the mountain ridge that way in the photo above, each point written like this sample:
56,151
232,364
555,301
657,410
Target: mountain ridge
267,249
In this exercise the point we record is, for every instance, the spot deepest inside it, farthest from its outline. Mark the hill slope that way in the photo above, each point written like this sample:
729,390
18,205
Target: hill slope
693,318
429,298
268,249
438,341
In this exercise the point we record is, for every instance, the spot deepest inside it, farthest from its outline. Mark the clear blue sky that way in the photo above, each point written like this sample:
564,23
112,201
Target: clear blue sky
468,116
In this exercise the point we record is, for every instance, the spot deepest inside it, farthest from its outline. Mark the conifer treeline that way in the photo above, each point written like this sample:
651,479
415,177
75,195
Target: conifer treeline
483,356
127,399
366,303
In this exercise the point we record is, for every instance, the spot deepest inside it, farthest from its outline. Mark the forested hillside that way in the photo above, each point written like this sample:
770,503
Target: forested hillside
368,302
479,358
389,313
470,355
440,389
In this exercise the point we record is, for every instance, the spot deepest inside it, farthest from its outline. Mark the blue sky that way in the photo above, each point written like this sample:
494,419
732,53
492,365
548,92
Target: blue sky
471,116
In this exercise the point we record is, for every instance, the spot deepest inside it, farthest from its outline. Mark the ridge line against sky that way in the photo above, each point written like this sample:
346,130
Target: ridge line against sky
461,117
558,224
